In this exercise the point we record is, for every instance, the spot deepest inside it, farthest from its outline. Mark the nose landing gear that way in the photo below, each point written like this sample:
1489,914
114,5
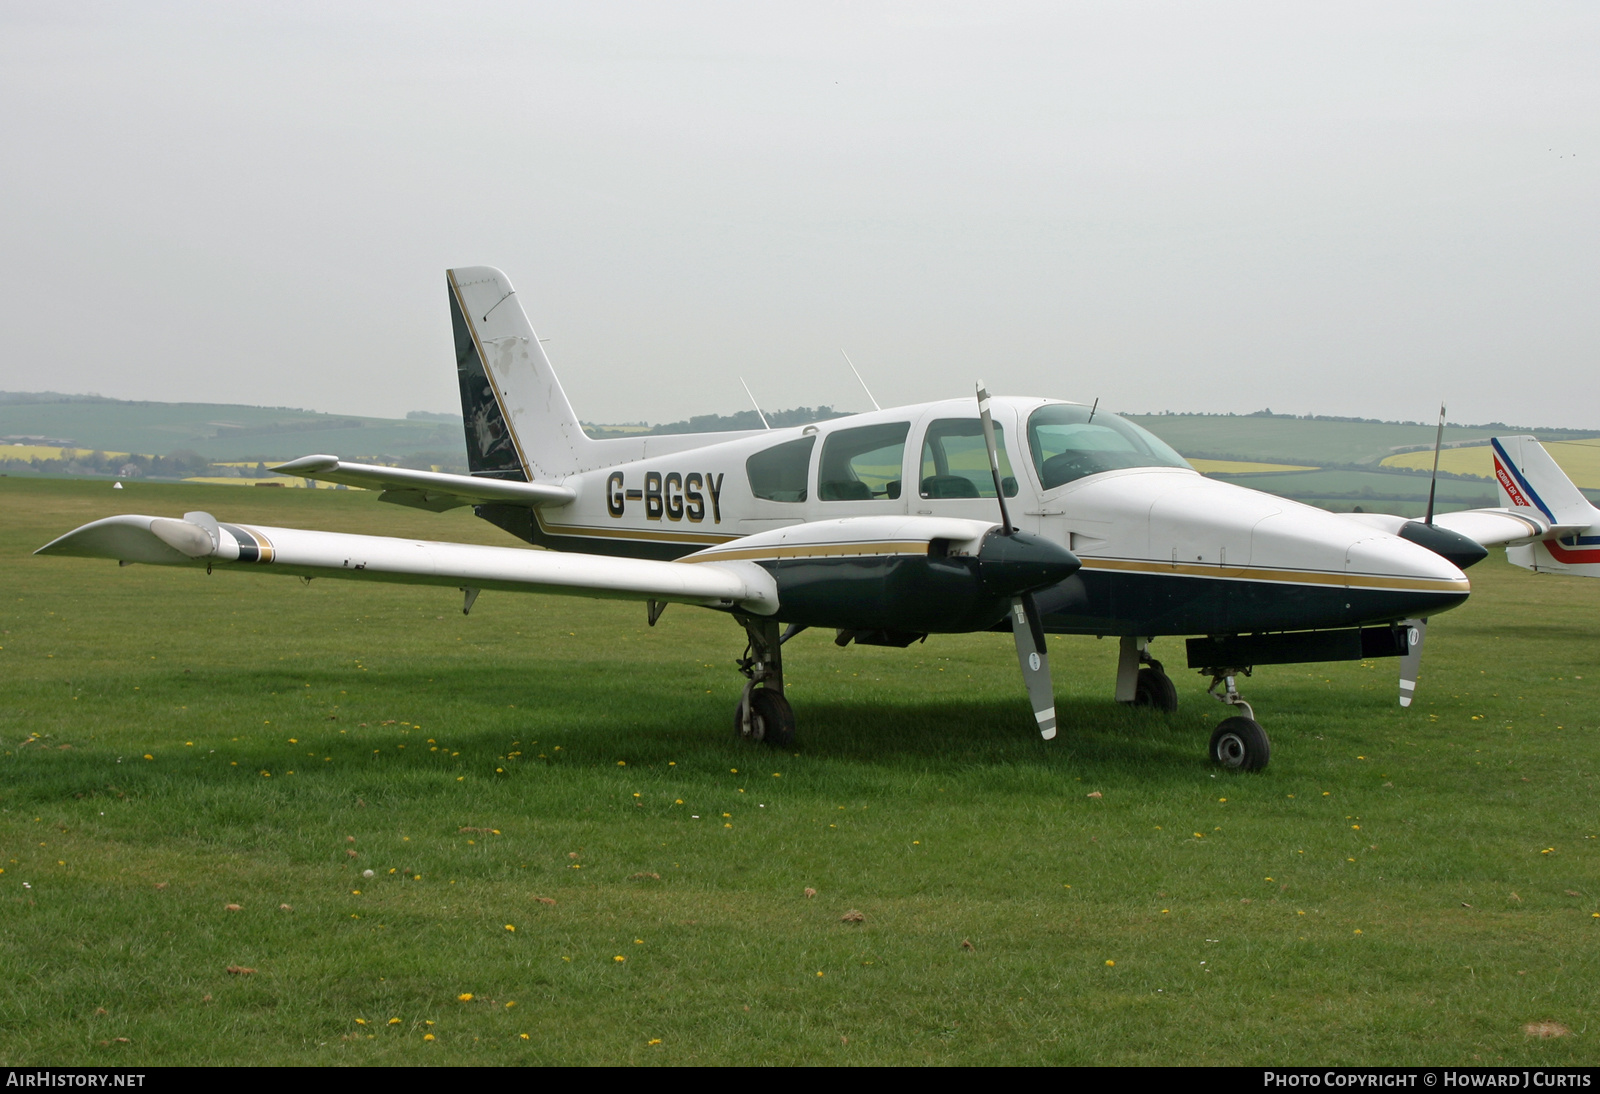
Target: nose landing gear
1239,743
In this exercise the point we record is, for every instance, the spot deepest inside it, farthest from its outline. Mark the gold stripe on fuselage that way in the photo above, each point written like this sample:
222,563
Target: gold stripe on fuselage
642,535
1283,577
815,550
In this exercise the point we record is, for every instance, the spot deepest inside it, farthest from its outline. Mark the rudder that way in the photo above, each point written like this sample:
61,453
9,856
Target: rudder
519,424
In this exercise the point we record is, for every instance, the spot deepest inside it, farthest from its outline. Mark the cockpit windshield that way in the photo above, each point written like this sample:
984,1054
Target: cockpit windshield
1068,445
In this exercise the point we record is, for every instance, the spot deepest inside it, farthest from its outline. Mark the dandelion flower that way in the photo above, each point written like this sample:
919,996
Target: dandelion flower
427,1036
653,1041
394,1021
509,927
465,997
1110,963
524,1036
619,958
361,1021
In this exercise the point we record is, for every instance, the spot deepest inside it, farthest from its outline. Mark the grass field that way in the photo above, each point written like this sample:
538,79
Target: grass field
1398,887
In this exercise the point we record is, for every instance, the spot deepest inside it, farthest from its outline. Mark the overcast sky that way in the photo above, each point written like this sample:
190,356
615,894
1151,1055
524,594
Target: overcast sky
1343,208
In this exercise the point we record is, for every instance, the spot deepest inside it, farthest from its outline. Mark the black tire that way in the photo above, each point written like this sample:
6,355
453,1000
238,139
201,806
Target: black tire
771,719
1155,689
1240,744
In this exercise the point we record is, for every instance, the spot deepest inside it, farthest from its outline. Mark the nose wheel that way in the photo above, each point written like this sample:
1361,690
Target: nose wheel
1238,743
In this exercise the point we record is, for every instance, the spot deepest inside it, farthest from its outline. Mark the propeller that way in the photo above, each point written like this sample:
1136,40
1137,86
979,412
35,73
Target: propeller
1027,625
1417,629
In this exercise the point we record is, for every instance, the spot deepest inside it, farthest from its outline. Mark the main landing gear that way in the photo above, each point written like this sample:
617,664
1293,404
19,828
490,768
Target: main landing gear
763,714
1141,681
1239,742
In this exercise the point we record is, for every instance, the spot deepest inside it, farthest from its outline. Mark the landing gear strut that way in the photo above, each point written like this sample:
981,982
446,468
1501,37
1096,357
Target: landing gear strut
1141,681
763,714
1239,742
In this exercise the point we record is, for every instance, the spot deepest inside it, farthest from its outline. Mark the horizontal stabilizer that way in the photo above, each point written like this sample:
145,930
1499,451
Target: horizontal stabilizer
426,489
165,541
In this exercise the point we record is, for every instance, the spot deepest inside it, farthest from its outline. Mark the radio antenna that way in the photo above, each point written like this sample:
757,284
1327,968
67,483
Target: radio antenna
860,381
763,417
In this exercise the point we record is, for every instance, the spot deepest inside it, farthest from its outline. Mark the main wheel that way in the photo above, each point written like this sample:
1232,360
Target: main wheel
771,719
1155,688
1240,744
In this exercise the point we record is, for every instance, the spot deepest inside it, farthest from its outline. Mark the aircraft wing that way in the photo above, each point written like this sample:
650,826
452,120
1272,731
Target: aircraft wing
199,539
1509,525
433,490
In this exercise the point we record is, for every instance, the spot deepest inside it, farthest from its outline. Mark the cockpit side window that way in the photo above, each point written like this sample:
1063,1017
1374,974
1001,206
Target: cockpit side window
955,460
1068,442
779,473
862,464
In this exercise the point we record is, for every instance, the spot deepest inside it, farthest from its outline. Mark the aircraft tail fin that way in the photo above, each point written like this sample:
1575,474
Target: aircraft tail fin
1529,477
519,423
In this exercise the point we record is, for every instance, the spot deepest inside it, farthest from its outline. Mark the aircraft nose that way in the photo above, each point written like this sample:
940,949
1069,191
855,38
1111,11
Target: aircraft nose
1401,578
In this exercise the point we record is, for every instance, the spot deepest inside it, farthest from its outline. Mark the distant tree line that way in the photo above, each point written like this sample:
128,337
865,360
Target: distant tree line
182,464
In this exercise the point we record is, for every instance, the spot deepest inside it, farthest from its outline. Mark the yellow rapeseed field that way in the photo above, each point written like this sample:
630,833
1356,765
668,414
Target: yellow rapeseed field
1579,459
48,452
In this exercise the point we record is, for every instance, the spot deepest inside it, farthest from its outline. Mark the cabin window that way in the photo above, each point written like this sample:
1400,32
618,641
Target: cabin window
1069,441
779,473
862,464
955,460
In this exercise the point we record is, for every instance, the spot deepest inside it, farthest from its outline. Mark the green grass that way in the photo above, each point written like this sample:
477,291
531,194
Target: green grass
918,796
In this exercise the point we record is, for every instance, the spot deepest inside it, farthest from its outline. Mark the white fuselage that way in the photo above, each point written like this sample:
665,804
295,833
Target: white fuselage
1138,530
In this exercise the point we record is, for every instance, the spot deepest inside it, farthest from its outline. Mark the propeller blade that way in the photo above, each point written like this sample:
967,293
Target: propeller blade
1438,441
994,458
1411,660
1028,630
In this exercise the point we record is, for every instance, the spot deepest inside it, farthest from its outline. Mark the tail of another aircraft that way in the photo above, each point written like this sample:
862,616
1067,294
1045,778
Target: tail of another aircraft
519,423
1529,477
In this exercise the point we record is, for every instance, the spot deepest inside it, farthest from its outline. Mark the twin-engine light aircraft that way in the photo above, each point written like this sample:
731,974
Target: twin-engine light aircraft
1022,514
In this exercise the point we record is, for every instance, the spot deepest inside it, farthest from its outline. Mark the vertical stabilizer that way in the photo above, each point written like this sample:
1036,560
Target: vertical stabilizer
1528,476
519,423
